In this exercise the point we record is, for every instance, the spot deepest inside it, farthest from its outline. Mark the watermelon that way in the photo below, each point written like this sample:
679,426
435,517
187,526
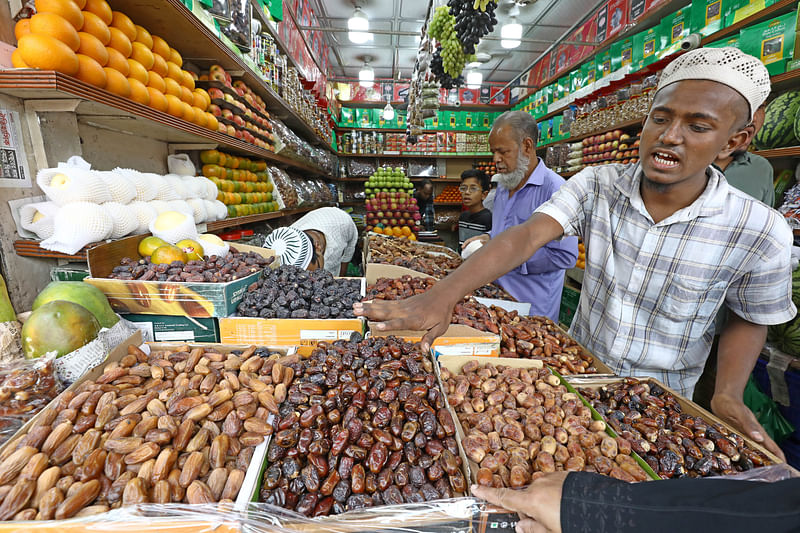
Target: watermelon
780,124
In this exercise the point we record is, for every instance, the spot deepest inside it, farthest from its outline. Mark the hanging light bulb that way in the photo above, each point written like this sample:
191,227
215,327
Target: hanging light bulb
358,25
511,34
388,112
474,79
366,76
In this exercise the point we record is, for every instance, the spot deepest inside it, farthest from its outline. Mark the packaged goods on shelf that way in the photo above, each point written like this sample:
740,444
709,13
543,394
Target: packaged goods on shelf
27,386
285,187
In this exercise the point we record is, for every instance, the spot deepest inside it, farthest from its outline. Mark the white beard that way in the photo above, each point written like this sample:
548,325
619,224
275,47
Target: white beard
511,180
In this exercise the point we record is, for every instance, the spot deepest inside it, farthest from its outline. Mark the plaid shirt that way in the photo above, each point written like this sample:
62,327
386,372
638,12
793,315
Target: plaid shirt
651,290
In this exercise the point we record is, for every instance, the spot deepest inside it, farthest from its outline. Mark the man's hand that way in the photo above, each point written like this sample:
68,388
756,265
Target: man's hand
735,412
538,505
484,238
430,312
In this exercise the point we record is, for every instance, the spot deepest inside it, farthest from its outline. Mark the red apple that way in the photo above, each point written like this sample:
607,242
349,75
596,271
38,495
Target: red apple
215,110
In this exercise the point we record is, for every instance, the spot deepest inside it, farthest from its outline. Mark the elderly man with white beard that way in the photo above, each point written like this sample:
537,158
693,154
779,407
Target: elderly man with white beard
525,183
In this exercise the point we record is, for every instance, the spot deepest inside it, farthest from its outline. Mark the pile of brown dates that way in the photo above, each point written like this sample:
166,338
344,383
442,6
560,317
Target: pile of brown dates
673,443
363,424
234,265
522,423
492,290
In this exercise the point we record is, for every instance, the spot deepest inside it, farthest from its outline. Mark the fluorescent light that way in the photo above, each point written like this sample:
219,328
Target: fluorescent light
358,25
358,22
366,76
474,79
511,33
388,112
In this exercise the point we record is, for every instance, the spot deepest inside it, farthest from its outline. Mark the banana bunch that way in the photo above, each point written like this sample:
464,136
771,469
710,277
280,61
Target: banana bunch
480,5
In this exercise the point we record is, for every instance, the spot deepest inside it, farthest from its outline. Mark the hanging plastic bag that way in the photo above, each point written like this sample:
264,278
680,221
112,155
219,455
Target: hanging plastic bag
766,411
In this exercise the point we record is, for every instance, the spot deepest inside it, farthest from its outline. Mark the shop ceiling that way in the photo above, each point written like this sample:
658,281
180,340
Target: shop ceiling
397,24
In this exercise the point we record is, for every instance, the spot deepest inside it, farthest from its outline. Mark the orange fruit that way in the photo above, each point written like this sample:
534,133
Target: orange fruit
95,25
64,8
142,54
117,83
139,92
212,123
188,80
199,116
17,61
174,72
91,71
144,37
117,61
23,27
157,99
188,112
175,57
55,26
80,3
172,87
138,71
160,47
187,95
92,47
119,41
174,105
99,8
155,81
160,65
47,53
198,100
122,22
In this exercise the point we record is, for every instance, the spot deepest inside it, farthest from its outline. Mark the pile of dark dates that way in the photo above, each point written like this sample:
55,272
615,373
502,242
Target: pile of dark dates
673,443
363,424
234,265
291,292
398,288
492,290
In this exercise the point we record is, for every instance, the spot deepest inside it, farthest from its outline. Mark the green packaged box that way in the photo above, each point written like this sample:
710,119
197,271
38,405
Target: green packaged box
400,118
645,47
364,118
732,41
461,120
569,305
165,328
348,118
602,65
562,88
69,273
621,54
674,29
710,16
558,131
589,72
771,41
577,81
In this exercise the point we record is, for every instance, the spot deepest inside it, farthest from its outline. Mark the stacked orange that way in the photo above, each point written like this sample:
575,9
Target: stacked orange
86,39
581,263
449,194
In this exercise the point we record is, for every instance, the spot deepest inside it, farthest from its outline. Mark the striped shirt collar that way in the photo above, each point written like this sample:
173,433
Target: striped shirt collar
710,203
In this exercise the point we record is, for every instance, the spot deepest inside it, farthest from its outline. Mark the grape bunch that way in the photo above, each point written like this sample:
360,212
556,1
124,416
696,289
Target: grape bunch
442,25
445,80
473,20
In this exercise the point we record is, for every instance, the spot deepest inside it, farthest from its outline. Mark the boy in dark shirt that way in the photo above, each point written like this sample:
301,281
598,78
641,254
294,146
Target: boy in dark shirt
476,219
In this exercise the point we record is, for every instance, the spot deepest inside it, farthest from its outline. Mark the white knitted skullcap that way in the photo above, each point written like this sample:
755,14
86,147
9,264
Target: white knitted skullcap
729,66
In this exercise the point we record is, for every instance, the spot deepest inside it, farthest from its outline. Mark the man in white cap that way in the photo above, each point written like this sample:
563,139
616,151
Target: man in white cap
325,238
668,242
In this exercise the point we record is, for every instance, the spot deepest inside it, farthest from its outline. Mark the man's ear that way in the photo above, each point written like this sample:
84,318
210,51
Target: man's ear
739,141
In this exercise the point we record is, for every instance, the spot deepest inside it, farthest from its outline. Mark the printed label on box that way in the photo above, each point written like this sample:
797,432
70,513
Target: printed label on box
318,334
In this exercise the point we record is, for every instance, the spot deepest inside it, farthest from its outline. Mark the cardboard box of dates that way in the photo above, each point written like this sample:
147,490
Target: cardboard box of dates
551,428
674,435
457,340
194,299
293,307
126,433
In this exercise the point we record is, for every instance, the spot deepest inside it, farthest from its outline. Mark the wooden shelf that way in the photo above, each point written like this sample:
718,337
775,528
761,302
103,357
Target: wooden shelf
426,155
443,107
197,43
402,130
433,180
621,126
31,248
778,8
250,219
99,107
787,80
789,151
447,204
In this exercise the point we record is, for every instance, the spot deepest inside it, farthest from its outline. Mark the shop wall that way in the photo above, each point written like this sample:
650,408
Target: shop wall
106,150
27,276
